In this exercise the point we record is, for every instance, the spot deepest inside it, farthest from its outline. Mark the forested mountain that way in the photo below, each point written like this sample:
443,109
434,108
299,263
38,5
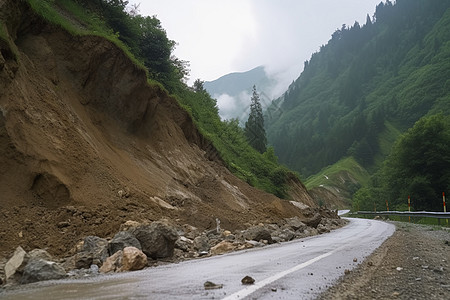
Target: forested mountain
364,87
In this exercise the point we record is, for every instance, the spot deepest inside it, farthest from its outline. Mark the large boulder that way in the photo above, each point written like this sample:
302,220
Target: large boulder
223,247
295,224
40,253
38,269
133,259
93,251
201,243
258,233
121,240
112,263
313,220
157,239
284,235
16,264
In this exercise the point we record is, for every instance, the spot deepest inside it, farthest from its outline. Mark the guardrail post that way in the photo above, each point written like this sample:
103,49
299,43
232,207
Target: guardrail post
409,207
387,205
445,209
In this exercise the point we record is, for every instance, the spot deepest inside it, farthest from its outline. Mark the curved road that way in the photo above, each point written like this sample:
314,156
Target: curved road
300,269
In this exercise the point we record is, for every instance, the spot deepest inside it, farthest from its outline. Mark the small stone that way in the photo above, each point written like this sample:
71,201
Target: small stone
208,285
399,269
94,269
418,279
20,234
63,224
370,264
415,258
395,294
346,271
273,289
355,260
248,280
424,267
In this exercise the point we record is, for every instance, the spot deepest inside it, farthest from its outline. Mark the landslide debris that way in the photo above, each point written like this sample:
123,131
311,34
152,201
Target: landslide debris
87,144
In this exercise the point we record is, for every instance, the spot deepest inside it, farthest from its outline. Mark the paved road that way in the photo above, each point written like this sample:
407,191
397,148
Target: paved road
299,269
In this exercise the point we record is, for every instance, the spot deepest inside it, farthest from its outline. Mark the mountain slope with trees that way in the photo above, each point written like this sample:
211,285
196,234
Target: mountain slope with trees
367,83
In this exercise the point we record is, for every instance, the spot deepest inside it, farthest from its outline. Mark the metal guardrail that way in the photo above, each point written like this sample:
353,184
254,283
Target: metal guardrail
425,214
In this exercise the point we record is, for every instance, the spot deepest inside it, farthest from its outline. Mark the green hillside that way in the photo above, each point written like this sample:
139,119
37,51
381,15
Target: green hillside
367,85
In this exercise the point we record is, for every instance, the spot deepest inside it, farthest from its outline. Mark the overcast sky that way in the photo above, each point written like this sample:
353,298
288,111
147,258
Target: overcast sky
218,37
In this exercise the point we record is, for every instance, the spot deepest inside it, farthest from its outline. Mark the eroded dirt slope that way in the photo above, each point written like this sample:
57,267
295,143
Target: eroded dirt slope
86,144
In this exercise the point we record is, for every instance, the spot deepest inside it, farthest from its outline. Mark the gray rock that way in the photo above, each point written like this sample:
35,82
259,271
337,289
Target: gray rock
258,233
285,234
39,269
96,248
322,228
94,269
83,260
40,253
121,240
16,264
313,220
157,239
184,244
295,224
201,243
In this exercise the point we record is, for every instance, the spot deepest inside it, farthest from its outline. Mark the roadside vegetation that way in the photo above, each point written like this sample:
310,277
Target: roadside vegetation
147,45
418,167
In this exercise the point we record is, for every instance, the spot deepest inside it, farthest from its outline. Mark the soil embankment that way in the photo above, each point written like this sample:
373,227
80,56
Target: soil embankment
86,144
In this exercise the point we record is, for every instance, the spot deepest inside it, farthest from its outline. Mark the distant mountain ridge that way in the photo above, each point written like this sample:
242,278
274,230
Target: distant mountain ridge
235,83
233,92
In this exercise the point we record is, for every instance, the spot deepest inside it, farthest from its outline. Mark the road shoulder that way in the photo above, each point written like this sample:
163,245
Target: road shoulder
412,264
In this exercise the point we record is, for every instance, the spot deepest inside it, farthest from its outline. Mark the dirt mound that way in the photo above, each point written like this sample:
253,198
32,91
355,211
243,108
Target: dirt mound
86,144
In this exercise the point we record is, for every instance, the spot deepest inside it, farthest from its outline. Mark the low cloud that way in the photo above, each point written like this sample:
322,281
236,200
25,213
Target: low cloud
234,107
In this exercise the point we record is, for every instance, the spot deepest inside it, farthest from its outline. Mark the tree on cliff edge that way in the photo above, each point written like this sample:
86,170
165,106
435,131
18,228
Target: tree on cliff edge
254,127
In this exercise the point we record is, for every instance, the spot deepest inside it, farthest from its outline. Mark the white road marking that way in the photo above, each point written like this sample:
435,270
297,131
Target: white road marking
253,288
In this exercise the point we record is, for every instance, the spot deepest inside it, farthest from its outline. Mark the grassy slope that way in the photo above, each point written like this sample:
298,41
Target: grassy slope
348,165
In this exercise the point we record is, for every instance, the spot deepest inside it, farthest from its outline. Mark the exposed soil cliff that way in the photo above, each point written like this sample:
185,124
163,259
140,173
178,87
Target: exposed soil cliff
86,144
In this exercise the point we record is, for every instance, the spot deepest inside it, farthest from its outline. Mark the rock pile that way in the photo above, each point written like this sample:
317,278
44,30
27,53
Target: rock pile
138,245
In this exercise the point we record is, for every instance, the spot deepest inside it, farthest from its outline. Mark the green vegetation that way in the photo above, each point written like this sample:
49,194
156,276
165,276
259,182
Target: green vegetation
418,166
367,85
147,45
259,170
331,174
433,224
254,127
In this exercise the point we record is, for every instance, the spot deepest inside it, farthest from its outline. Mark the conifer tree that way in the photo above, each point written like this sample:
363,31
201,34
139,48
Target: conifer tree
254,127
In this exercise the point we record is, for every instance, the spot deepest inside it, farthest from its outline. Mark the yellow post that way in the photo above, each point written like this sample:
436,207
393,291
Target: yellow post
387,205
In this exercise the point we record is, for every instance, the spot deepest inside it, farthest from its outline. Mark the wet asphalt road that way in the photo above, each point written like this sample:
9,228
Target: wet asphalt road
300,269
